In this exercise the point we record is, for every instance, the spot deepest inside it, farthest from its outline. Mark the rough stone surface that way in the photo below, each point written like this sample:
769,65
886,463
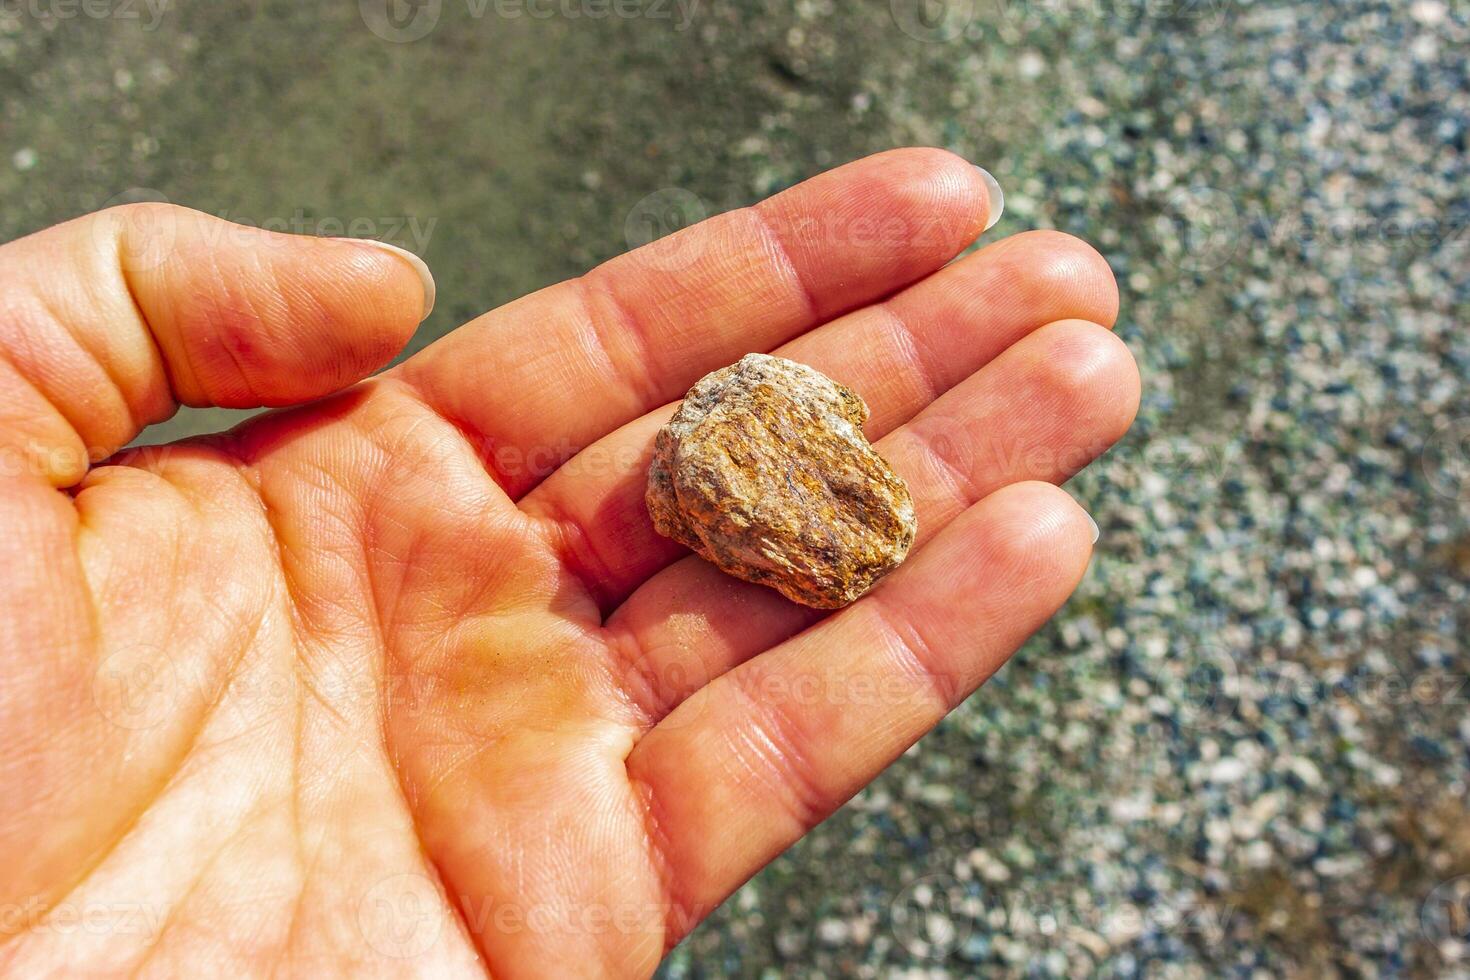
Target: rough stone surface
764,470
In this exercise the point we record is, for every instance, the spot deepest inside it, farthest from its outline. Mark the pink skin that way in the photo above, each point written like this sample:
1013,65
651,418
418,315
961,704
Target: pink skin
402,680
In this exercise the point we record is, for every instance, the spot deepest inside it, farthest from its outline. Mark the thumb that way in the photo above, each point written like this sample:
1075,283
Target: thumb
109,322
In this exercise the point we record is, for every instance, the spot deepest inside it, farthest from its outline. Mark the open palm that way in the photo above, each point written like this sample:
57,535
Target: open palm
402,679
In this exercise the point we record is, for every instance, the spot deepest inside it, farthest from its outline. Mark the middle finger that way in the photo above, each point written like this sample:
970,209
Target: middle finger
899,355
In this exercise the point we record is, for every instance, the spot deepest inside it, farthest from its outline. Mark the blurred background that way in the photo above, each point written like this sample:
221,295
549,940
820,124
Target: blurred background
1242,749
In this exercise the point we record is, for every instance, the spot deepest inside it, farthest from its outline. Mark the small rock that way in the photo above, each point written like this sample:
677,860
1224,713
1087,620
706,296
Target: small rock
790,943
832,932
988,867
1228,770
765,471
1430,13
1305,770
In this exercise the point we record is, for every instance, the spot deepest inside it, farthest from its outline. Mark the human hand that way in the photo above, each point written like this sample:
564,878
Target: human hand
403,679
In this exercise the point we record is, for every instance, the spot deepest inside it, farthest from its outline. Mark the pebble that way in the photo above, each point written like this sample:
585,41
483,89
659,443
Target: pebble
765,471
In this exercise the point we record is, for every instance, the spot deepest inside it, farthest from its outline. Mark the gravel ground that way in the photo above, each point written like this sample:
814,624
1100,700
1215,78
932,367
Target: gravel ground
1243,748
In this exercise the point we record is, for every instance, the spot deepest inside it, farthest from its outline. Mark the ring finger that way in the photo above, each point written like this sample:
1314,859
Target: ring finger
1041,411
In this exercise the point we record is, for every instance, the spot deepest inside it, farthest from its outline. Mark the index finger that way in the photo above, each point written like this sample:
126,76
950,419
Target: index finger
540,378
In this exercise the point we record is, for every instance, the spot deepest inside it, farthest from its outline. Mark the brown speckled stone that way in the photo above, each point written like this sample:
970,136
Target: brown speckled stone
764,471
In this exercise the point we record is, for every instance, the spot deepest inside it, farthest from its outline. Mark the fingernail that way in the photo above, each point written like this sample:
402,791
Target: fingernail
996,197
1096,531
419,266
